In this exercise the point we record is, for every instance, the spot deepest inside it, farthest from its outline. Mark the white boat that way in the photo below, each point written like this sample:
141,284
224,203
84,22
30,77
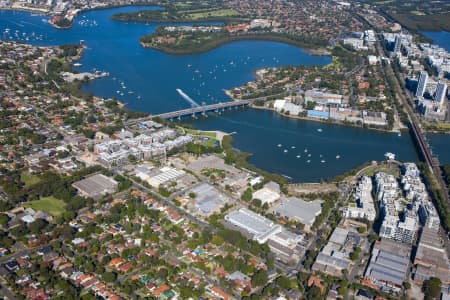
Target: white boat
292,147
308,161
279,145
322,161
319,130
298,156
338,156
77,65
285,151
309,155
306,150
389,156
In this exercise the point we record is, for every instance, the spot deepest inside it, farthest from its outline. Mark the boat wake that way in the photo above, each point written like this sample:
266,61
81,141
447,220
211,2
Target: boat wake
187,98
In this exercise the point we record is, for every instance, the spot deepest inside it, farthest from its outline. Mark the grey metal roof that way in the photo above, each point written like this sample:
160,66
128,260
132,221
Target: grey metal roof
382,274
305,211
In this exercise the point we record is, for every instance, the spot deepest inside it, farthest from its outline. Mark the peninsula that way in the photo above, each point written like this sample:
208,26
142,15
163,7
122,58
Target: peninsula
197,39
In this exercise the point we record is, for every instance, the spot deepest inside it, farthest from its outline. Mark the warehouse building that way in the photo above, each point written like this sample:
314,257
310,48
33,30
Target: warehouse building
431,258
258,227
96,186
269,193
286,245
388,265
208,200
165,175
299,210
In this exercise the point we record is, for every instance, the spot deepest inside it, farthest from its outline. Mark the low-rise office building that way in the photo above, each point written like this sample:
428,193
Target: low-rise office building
335,256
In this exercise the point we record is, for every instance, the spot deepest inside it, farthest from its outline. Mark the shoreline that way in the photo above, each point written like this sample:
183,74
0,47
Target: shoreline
49,13
327,121
437,132
305,118
25,9
309,49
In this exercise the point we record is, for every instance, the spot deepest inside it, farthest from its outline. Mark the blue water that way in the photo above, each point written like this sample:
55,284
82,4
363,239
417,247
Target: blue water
154,76
441,38
148,80
263,131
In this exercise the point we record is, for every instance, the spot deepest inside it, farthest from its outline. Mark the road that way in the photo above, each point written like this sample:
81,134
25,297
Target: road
168,202
5,292
355,69
415,127
345,191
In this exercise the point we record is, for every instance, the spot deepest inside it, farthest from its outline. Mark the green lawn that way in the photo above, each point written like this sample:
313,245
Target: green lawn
210,142
29,179
212,136
437,126
213,14
392,171
49,204
199,132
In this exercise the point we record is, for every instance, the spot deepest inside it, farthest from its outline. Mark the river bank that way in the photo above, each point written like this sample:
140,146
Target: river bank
47,12
328,121
27,9
146,78
195,47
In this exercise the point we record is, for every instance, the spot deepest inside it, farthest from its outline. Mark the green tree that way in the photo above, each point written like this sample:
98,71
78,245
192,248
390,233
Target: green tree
109,276
361,229
373,237
284,282
260,278
257,203
4,219
37,226
432,288
313,293
247,195
217,240
132,158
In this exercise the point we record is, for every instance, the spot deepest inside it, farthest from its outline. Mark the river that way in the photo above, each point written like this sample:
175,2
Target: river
147,80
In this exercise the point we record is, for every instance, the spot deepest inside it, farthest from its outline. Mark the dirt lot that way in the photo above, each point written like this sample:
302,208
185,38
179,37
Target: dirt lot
310,188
